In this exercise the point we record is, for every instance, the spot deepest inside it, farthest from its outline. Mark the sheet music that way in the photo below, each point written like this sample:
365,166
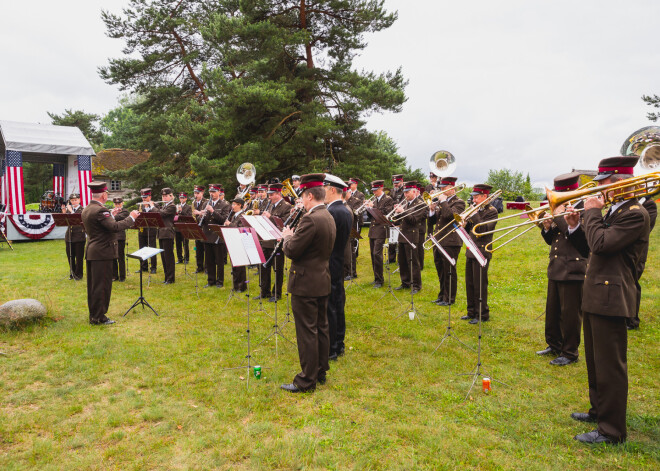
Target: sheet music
145,253
234,240
394,235
265,229
469,243
250,248
451,259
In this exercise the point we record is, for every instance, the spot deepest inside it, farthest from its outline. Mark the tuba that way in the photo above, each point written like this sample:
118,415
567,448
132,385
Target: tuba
246,175
645,143
442,163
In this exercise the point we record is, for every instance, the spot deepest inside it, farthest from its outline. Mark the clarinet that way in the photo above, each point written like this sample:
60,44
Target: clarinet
293,219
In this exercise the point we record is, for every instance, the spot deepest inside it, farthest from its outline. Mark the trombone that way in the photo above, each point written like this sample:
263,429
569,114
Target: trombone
460,219
434,195
395,217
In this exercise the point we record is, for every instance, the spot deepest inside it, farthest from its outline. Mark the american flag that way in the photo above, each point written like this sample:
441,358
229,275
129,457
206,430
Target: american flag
3,199
58,179
84,177
14,182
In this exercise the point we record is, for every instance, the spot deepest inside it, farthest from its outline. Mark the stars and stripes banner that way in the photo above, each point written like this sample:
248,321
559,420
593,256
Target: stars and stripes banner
84,177
34,225
58,179
14,182
3,199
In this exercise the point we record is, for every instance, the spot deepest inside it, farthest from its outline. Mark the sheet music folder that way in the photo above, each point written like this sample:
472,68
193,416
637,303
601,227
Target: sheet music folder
148,220
243,246
265,228
68,219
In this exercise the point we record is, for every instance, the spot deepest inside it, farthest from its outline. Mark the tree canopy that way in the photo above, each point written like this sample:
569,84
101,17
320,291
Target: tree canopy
512,184
653,101
86,122
223,82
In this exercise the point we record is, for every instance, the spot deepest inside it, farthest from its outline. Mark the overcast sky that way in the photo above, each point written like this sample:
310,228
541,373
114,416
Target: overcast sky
536,86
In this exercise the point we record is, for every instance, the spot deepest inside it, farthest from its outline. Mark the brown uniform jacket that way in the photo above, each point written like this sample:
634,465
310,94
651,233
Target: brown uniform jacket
397,194
218,216
282,211
198,206
617,244
101,228
167,212
489,213
568,254
385,205
409,226
75,233
235,219
121,215
309,250
444,214
356,200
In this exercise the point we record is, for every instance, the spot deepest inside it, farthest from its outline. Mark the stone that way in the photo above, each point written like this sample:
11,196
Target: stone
21,311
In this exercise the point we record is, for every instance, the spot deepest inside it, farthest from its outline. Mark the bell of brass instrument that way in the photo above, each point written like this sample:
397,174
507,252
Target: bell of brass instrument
645,143
246,175
288,191
442,163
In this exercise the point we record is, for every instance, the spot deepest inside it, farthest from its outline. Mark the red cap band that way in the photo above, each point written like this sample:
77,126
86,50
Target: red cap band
624,170
307,185
483,191
446,182
574,186
99,190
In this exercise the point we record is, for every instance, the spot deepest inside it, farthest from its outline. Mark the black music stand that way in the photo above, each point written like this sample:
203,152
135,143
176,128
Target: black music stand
452,263
411,310
144,254
190,230
68,220
185,220
148,221
3,237
476,371
378,217
244,251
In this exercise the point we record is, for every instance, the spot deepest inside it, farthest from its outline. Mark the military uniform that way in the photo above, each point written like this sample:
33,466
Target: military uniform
354,202
214,248
408,259
101,251
309,284
147,236
378,233
199,244
652,209
473,270
182,247
397,195
239,274
452,243
282,210
75,246
166,237
119,264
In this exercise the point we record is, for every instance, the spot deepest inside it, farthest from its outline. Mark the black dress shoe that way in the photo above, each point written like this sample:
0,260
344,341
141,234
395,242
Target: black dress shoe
465,318
476,321
583,417
333,357
121,280
179,262
632,327
348,278
219,285
274,299
341,352
400,287
415,290
442,303
378,285
562,361
208,286
292,388
595,438
168,282
198,271
547,351
322,380
104,322
153,271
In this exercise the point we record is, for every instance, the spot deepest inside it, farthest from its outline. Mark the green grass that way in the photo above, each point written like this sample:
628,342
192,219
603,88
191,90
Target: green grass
150,392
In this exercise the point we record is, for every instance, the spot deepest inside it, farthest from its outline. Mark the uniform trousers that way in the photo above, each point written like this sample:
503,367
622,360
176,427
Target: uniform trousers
182,250
267,290
350,257
310,315
605,351
99,289
75,252
563,317
376,248
336,306
420,246
119,263
215,270
406,255
147,238
391,253
167,257
447,273
199,255
239,278
474,273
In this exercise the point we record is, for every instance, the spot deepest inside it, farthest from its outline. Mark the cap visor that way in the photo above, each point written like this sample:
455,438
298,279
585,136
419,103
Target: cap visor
598,178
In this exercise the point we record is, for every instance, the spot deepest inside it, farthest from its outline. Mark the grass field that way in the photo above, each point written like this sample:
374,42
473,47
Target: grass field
150,392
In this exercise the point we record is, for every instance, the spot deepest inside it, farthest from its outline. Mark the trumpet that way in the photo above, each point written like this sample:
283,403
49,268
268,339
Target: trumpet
460,220
149,203
364,206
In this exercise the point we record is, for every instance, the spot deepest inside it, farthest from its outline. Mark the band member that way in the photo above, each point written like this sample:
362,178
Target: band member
198,206
216,212
166,234
239,274
182,250
295,184
473,270
396,195
119,264
343,218
616,244
378,232
241,190
568,263
651,208
411,276
433,186
264,201
74,239
355,200
278,208
442,213
422,229
147,236
101,251
309,249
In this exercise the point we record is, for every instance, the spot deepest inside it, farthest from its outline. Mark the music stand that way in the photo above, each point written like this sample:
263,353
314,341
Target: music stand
3,237
378,217
68,220
412,311
144,254
185,220
244,251
452,263
190,230
148,221
472,247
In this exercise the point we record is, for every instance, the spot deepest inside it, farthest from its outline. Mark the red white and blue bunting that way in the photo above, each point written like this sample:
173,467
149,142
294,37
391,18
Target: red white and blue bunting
33,225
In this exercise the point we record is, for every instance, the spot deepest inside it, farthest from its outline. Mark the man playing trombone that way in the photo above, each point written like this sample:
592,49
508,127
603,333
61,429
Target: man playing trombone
408,214
442,213
474,273
378,232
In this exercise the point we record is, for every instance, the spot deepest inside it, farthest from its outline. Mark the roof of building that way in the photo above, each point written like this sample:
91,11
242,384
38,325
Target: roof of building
111,160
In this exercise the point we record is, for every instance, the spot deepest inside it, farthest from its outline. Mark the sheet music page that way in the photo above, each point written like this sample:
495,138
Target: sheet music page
471,245
394,235
235,247
443,251
250,248
145,253
263,229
